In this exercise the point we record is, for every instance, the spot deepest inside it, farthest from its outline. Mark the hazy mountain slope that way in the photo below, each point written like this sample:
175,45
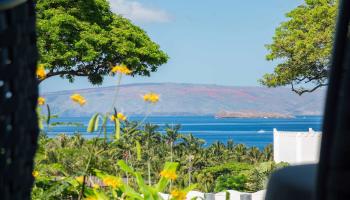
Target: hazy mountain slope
189,99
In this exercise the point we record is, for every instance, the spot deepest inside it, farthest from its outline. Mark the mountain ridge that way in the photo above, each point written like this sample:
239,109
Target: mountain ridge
189,99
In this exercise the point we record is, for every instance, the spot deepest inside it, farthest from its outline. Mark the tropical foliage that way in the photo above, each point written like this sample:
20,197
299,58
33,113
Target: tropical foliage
61,160
302,46
85,38
113,165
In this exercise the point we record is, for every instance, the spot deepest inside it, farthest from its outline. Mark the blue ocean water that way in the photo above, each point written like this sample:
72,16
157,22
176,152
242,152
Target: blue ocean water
251,132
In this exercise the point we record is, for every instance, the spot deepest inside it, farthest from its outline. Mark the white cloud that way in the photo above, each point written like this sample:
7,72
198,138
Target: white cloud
137,12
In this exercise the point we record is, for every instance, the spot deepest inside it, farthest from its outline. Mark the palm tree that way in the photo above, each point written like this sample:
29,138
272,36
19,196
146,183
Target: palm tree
77,140
240,150
62,140
172,134
230,145
152,137
192,145
268,153
217,148
254,154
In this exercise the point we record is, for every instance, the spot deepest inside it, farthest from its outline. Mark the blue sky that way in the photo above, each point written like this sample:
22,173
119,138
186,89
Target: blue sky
212,42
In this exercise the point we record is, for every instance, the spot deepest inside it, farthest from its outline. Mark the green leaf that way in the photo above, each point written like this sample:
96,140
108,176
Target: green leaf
162,184
190,188
138,150
104,124
97,123
100,195
117,128
132,193
92,123
40,118
141,183
48,114
125,167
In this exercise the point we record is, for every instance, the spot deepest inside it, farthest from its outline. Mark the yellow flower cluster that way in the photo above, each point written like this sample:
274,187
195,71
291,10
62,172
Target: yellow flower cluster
169,174
40,72
35,174
41,101
112,182
80,179
78,99
122,69
151,97
120,116
178,194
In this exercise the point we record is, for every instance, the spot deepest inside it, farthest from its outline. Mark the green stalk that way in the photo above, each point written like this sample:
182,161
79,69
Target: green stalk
189,170
116,91
149,172
81,194
171,159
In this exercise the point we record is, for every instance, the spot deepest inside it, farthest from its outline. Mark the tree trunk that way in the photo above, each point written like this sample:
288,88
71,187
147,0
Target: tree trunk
190,170
126,173
18,98
149,172
171,151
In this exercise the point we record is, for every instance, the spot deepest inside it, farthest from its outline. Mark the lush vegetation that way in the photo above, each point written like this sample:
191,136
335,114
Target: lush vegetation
113,165
85,38
303,46
219,167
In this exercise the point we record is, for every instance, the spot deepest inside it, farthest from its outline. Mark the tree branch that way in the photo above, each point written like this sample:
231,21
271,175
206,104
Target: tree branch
301,90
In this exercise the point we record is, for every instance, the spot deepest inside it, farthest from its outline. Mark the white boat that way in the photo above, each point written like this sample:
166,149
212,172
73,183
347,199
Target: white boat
261,131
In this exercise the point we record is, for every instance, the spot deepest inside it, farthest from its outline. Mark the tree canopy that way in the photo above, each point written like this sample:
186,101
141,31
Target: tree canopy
85,38
302,46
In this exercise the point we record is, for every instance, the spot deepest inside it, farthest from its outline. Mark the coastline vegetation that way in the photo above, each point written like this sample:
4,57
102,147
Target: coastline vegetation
137,161
219,167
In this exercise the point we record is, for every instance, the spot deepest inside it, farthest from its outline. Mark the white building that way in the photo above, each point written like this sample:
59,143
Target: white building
296,147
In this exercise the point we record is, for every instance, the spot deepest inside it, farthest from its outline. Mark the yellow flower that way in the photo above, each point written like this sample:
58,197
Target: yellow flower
151,97
41,101
112,182
169,174
35,174
121,116
122,69
80,179
95,186
40,72
178,195
112,118
78,98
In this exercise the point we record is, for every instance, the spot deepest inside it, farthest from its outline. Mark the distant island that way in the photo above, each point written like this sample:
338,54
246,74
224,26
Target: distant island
226,114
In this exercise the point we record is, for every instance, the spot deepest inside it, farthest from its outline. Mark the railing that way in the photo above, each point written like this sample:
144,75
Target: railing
227,195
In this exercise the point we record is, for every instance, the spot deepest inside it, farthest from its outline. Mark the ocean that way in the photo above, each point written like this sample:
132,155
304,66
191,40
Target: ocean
251,132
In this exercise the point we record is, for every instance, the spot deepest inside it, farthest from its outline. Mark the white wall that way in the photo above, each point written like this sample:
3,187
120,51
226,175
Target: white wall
296,147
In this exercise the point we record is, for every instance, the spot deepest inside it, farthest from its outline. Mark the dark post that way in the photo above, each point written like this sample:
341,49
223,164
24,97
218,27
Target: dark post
18,97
